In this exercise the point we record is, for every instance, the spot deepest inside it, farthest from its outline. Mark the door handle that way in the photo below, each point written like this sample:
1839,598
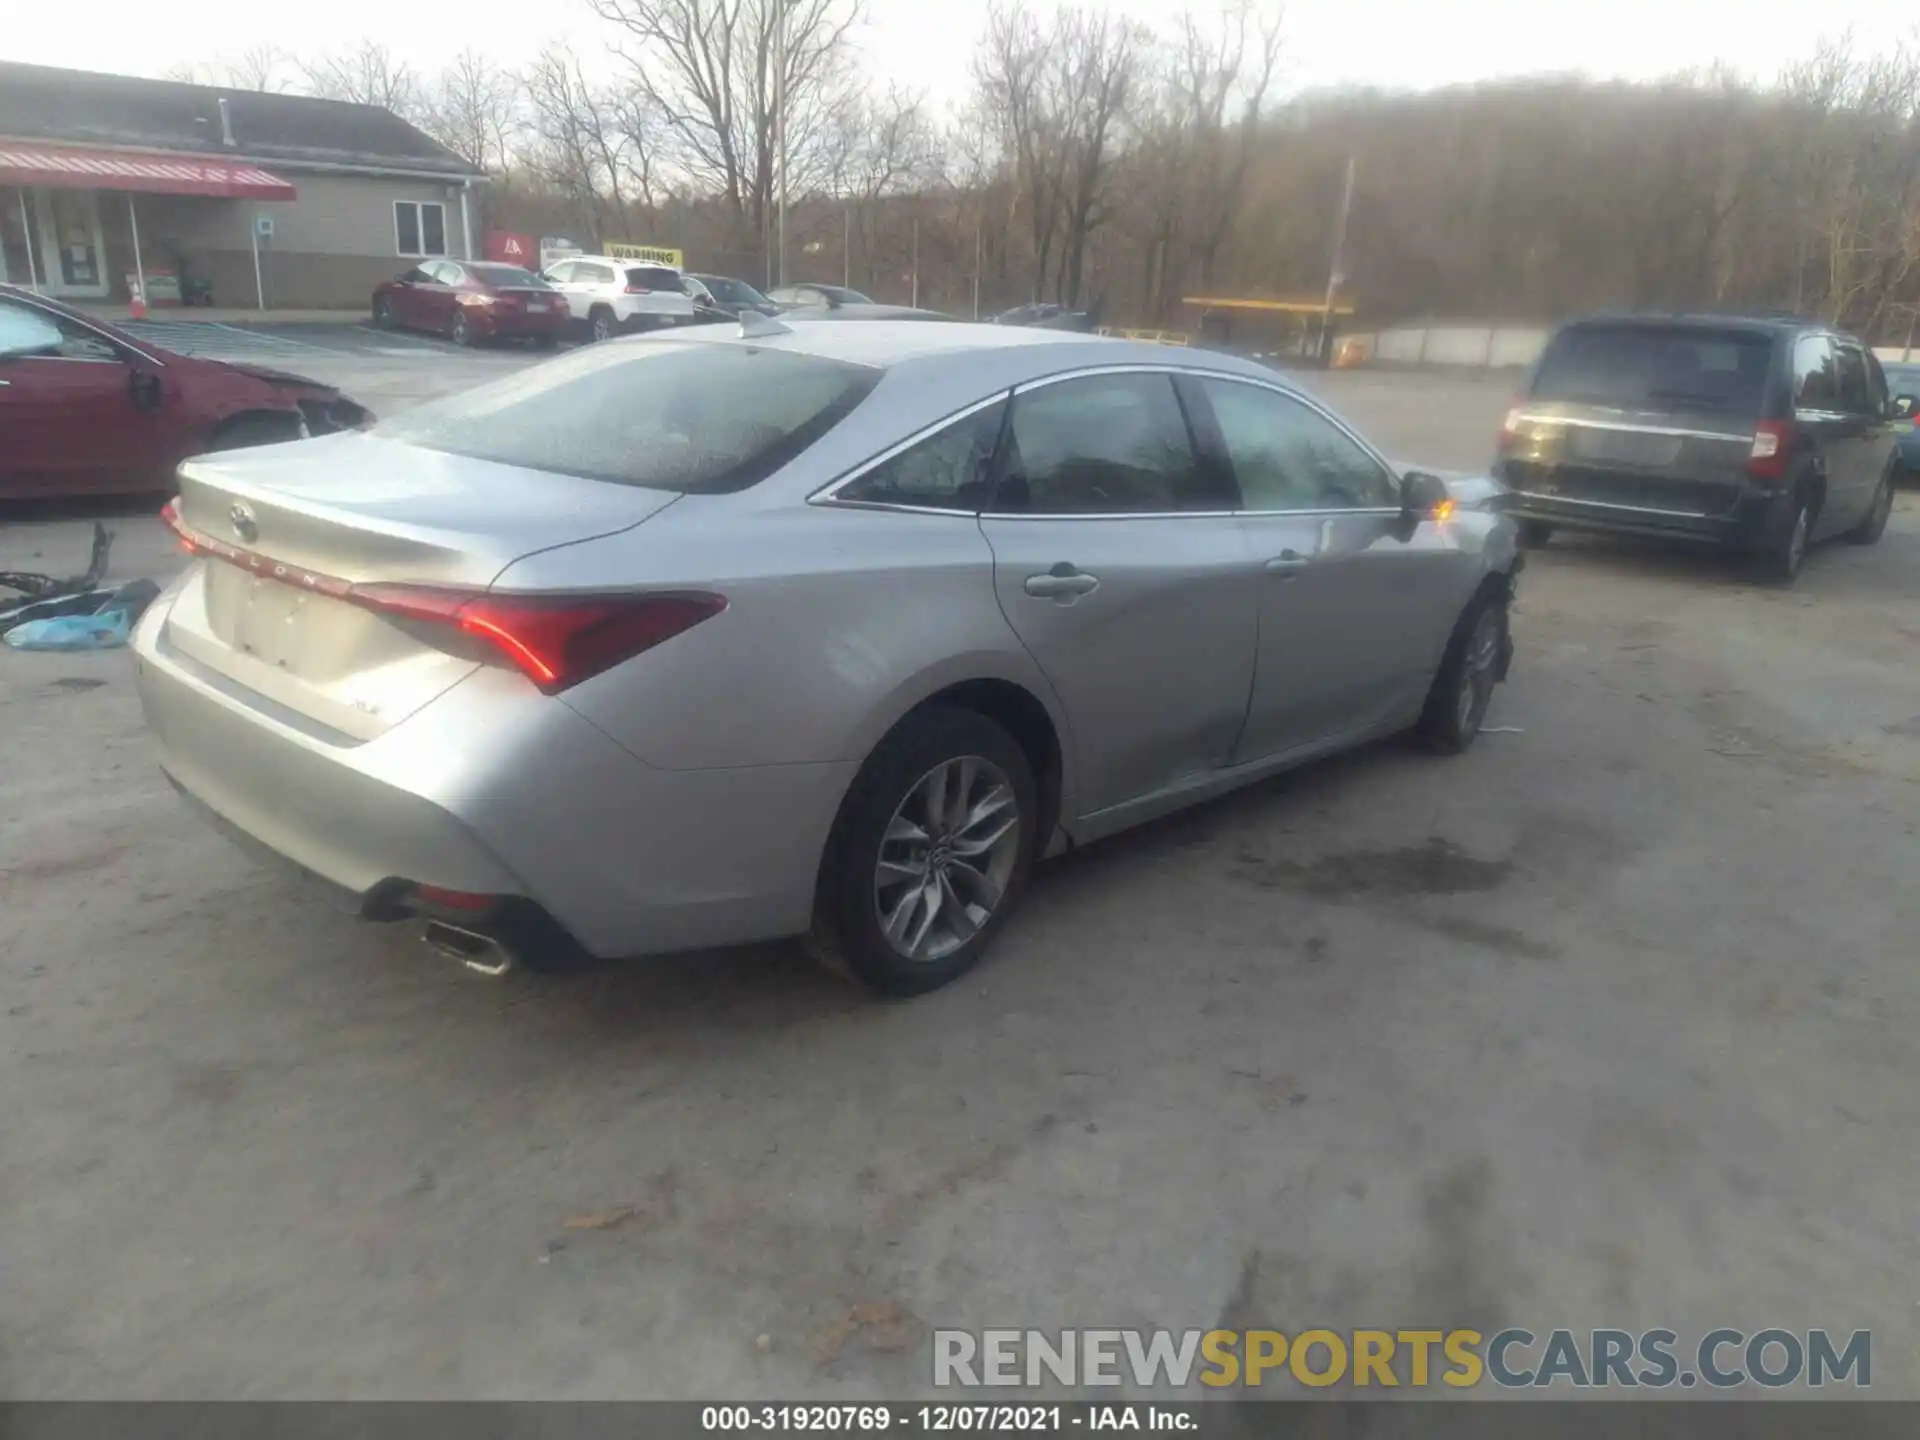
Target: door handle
1062,582
1288,563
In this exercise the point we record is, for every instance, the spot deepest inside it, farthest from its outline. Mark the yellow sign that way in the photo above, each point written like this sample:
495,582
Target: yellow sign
652,254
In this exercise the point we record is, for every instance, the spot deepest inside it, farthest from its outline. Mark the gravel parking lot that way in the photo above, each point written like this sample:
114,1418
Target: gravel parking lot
1607,1023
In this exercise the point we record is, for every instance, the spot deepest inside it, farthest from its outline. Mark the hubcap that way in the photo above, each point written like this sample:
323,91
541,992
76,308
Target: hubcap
1483,658
601,329
946,858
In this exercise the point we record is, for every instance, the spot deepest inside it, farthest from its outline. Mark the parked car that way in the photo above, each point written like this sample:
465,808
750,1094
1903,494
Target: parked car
470,301
1762,434
86,408
1903,380
1047,316
839,303
727,295
830,629
610,296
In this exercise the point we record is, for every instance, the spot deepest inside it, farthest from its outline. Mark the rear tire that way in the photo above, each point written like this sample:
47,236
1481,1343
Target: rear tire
382,315
600,324
1474,662
1534,534
938,832
1869,530
1779,561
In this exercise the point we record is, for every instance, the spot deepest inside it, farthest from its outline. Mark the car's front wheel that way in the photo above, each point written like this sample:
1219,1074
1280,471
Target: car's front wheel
1535,533
931,848
1474,663
461,331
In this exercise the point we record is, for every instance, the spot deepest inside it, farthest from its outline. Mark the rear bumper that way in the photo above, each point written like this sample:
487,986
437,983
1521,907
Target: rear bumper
495,789
1748,522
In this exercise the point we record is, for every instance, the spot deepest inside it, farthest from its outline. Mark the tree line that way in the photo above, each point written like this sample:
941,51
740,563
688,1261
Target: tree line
1107,165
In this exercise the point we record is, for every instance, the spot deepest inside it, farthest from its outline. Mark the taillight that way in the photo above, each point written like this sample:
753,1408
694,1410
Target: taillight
555,641
1510,429
1772,450
170,517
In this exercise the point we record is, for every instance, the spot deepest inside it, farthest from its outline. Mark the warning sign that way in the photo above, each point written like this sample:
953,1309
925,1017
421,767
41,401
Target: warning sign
652,254
508,248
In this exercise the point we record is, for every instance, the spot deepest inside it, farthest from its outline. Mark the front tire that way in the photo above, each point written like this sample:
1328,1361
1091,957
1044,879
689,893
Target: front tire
461,331
928,855
1474,663
1534,534
1869,530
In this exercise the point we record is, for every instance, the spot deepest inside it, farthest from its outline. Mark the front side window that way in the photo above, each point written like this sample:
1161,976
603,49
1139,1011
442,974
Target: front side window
1288,456
691,417
419,227
1101,445
946,471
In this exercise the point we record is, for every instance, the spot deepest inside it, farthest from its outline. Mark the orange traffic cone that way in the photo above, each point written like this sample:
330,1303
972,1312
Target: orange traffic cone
137,301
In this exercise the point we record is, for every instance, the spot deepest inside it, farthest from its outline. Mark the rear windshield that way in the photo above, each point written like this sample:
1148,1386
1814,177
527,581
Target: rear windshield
700,419
507,275
1645,367
656,277
736,292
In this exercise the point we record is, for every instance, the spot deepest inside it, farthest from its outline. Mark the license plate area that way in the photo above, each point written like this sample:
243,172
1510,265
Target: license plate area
1624,447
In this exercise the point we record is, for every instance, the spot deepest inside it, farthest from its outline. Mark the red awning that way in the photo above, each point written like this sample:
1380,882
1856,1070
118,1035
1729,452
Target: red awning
72,169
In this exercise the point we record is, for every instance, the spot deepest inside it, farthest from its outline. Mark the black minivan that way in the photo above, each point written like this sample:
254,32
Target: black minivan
1760,434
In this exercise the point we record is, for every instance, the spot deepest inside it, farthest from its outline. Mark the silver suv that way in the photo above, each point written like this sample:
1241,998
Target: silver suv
612,296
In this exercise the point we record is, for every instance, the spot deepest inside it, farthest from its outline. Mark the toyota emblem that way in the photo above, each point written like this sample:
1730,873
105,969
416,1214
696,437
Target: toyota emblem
244,525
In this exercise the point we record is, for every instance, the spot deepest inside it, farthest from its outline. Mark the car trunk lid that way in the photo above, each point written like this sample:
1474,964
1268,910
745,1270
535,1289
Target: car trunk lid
291,529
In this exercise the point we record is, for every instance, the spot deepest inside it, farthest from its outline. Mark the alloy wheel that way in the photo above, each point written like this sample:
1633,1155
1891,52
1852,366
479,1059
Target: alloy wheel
1477,674
947,857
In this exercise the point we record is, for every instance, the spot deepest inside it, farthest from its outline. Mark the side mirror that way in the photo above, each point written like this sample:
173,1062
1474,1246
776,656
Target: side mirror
143,388
1904,406
1422,497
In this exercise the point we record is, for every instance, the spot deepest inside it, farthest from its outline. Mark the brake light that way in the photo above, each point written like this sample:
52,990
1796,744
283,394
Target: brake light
1510,429
170,517
1772,450
555,641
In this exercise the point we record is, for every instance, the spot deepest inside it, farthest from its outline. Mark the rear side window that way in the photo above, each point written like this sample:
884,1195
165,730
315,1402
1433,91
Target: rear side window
1649,367
505,275
946,471
1816,378
656,277
700,419
1101,445
1856,384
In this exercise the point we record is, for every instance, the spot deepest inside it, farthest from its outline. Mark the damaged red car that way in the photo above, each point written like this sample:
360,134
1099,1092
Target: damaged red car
87,409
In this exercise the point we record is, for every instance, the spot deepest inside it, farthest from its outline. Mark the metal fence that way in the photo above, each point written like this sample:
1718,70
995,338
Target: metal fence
1477,345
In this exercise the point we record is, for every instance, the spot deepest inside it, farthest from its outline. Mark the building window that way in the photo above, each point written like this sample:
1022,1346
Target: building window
419,227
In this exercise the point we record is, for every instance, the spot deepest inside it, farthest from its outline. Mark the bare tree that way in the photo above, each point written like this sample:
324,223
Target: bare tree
475,109
366,75
259,67
1095,62
716,71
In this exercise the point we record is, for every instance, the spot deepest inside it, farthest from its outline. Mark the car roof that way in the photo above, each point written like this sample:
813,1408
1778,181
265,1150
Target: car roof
1754,324
615,260
955,344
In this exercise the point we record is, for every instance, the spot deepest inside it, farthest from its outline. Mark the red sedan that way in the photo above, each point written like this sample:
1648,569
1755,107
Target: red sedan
87,409
471,301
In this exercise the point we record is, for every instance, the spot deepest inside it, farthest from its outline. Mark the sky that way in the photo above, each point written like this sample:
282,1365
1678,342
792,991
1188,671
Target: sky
1396,44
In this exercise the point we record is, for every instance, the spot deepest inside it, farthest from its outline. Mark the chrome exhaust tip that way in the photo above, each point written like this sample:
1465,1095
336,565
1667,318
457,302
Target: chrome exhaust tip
479,952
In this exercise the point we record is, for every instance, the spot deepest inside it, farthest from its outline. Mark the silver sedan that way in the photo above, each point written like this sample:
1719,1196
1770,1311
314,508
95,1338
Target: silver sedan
829,630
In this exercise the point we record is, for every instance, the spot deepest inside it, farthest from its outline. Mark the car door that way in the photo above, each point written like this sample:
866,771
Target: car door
404,298
1863,395
1118,562
1352,617
68,410
1835,437
440,296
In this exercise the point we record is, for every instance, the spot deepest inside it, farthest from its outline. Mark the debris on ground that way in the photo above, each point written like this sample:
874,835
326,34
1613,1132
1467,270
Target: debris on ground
886,1325
603,1219
76,613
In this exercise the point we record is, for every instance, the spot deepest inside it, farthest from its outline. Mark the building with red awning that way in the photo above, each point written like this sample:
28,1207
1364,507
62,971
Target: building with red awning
111,183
